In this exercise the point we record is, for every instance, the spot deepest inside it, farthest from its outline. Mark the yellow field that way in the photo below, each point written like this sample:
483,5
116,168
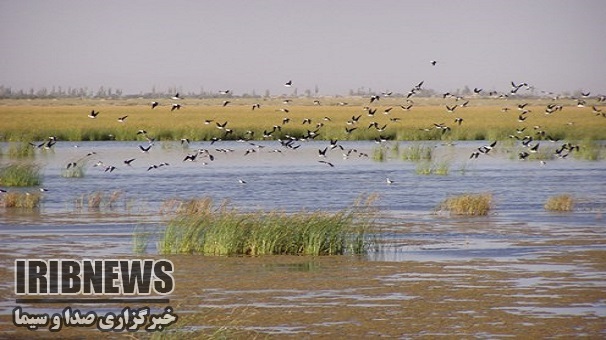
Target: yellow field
67,119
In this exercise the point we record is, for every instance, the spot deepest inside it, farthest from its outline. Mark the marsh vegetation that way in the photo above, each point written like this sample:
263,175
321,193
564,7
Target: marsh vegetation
20,174
203,228
468,204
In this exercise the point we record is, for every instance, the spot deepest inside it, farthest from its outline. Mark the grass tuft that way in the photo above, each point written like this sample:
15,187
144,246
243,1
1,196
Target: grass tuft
379,154
20,150
20,175
468,204
24,200
200,227
76,171
560,203
98,199
417,152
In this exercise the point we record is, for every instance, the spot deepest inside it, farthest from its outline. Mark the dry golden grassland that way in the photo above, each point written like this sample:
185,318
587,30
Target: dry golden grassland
483,119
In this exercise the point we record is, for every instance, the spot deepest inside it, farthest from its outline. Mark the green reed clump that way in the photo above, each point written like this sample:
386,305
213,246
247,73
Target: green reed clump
379,154
199,227
441,168
20,150
468,204
74,171
20,175
589,150
417,152
23,200
563,202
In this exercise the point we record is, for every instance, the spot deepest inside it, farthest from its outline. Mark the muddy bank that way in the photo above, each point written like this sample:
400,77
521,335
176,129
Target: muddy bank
278,296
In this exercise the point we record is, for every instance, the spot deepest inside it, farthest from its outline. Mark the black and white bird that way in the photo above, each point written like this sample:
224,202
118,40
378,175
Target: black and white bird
93,114
145,149
288,83
122,119
154,104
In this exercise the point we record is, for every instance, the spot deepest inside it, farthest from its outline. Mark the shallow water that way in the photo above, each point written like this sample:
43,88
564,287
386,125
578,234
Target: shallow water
519,242
293,180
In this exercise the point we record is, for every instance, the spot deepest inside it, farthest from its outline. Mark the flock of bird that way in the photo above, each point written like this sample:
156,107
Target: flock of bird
529,142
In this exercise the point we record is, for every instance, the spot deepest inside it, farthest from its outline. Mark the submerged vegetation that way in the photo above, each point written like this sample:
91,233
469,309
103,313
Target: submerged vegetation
562,202
97,200
200,227
468,204
20,175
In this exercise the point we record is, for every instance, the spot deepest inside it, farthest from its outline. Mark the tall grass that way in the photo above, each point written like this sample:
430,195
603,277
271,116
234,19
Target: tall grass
481,122
75,171
441,168
97,200
20,175
417,152
590,150
379,154
468,204
560,203
24,200
201,228
20,150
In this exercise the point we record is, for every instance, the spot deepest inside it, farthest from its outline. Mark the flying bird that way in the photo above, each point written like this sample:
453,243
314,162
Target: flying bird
145,150
154,104
93,114
288,83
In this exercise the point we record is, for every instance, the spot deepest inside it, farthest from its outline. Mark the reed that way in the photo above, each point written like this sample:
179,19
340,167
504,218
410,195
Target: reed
97,200
75,171
379,154
20,175
441,168
468,204
590,150
562,202
417,152
20,150
201,228
482,121
23,200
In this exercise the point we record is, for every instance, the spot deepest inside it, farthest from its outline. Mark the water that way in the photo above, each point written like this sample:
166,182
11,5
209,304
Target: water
524,255
294,179
280,178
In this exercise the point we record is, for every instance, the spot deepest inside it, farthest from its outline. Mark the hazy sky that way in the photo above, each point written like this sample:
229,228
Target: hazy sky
337,45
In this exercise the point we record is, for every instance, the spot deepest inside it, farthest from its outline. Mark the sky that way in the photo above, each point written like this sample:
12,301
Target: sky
335,45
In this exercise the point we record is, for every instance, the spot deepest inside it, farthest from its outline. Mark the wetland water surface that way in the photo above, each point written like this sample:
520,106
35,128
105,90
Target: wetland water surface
519,271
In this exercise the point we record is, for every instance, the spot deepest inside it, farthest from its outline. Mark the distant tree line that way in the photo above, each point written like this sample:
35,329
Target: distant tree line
57,92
